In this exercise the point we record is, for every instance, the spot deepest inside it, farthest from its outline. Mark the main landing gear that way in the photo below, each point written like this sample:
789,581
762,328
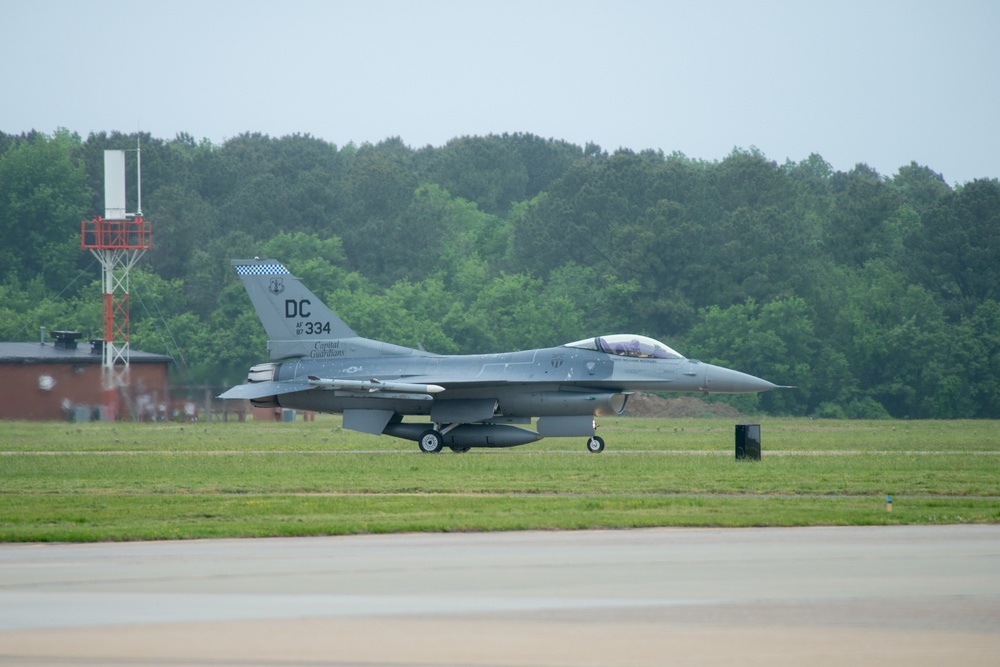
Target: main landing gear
432,441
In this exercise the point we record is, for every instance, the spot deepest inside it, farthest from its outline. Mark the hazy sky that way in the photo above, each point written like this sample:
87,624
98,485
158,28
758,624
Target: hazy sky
881,82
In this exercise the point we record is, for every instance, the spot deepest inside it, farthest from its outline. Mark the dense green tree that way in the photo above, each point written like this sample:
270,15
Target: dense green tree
974,389
747,179
498,171
210,270
379,186
581,218
873,295
445,230
544,160
407,314
485,170
602,302
43,198
920,187
857,228
512,312
812,175
956,253
895,337
656,251
183,222
776,341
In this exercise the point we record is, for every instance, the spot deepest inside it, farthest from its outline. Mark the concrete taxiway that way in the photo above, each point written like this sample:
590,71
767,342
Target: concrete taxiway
818,596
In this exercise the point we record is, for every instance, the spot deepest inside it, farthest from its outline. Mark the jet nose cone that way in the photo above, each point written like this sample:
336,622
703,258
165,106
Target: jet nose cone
721,380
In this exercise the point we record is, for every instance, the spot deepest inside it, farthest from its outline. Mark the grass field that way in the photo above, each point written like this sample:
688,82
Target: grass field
101,481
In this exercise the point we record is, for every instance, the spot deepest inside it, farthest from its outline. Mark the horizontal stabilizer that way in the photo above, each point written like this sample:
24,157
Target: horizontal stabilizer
255,390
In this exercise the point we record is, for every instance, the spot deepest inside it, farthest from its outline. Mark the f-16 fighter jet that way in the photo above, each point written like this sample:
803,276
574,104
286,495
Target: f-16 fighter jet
319,363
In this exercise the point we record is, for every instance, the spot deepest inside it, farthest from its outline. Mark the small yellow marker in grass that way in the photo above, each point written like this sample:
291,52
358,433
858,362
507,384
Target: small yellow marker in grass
888,503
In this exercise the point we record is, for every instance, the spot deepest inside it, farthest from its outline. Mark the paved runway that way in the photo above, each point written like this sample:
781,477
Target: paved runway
818,596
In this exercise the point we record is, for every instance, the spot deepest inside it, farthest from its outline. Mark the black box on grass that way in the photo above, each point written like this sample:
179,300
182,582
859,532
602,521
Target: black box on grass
748,442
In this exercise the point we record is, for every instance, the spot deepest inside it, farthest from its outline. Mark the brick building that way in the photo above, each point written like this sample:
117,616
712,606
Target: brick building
62,380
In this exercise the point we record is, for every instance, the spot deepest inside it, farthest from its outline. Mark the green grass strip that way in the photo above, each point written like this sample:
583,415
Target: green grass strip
90,482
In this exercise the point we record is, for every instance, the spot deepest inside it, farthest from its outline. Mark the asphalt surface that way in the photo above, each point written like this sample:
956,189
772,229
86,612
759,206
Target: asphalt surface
818,596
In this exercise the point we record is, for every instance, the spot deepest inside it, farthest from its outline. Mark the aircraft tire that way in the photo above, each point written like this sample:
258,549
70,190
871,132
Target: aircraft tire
430,442
595,445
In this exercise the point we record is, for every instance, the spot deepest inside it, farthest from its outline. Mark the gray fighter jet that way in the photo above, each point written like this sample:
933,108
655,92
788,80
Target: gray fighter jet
318,363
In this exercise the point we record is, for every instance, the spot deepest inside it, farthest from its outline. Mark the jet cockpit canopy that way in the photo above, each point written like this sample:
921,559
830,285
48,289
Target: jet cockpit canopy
628,345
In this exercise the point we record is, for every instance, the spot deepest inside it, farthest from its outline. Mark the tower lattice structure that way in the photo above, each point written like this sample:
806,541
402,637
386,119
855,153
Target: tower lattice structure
117,245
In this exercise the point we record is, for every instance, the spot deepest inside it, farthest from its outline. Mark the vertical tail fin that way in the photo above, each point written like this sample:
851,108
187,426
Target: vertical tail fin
294,318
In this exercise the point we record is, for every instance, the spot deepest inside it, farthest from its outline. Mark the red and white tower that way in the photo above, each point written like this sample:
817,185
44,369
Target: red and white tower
117,240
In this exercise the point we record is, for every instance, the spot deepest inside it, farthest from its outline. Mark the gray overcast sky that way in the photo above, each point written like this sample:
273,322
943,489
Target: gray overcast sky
883,82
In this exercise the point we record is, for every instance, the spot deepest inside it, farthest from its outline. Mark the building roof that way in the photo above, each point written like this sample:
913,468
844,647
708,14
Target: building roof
34,353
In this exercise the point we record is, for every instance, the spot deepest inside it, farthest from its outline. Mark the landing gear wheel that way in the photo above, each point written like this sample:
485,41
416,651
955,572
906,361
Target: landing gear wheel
460,450
595,445
430,442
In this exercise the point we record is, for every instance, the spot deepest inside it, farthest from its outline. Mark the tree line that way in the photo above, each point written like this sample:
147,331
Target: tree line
875,295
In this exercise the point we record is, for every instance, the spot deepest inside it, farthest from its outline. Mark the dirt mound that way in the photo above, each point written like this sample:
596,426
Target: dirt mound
648,405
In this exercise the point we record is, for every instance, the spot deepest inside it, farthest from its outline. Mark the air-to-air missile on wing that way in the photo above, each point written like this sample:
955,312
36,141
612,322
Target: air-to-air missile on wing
318,363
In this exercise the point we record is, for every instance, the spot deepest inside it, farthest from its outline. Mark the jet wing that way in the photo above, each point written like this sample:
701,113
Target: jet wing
374,385
253,390
460,381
